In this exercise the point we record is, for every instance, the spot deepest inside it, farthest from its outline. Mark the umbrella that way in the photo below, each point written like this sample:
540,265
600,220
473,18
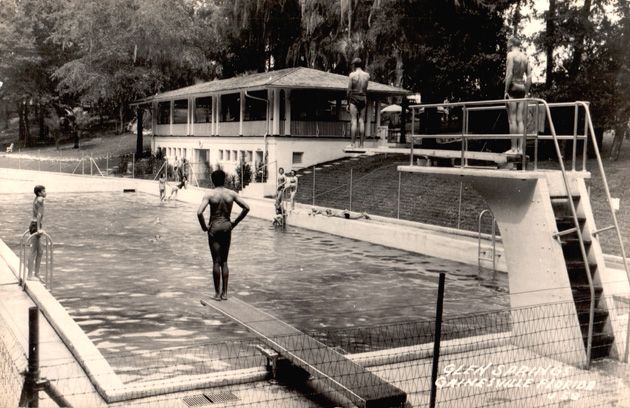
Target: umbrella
391,108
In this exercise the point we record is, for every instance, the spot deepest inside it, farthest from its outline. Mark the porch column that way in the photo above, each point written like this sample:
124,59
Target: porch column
287,112
276,111
218,115
213,112
170,122
189,117
270,102
242,109
378,113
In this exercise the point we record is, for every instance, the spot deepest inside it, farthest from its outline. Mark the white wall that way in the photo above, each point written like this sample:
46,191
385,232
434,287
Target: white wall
315,150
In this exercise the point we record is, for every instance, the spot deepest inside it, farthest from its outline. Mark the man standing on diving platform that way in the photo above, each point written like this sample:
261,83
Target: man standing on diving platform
518,79
357,101
220,228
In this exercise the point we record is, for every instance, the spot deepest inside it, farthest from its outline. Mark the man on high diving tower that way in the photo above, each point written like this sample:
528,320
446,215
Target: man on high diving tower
517,87
357,101
220,229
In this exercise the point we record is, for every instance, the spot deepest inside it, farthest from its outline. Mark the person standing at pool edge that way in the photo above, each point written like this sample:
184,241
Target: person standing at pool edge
357,100
162,184
220,228
517,87
35,228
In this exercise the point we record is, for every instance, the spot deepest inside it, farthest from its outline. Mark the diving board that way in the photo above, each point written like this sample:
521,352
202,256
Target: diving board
499,158
351,380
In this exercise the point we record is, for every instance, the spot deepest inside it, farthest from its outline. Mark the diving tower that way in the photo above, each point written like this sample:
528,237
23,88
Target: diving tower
550,238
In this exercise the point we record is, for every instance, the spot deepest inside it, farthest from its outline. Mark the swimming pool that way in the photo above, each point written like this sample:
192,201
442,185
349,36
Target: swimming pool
131,272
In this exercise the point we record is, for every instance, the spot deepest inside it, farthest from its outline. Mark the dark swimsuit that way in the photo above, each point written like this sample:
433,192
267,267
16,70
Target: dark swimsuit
358,99
220,228
517,91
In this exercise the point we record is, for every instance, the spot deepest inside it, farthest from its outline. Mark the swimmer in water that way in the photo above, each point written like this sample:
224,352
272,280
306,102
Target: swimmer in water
220,200
518,79
162,185
177,187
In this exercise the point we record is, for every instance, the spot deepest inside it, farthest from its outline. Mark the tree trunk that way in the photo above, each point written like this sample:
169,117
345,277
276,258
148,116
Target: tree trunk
579,39
40,117
516,19
6,115
549,42
121,117
399,67
27,127
139,126
21,131
620,133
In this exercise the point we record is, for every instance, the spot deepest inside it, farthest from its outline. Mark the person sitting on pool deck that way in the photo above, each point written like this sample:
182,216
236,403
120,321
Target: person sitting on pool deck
220,228
162,184
35,228
517,87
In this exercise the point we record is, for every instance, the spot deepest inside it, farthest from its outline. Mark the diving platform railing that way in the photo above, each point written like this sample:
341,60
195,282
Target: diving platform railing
540,107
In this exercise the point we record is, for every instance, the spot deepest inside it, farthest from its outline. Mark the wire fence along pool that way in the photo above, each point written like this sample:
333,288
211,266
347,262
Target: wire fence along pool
526,357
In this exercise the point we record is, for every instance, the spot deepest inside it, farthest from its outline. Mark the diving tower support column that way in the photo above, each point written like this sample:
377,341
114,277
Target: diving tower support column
547,307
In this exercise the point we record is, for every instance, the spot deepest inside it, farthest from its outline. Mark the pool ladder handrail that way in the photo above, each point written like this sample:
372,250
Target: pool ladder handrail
493,238
47,258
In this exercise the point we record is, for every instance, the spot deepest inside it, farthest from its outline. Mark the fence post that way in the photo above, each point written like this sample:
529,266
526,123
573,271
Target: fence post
350,189
313,185
436,340
107,164
91,174
82,165
459,206
398,206
30,395
133,165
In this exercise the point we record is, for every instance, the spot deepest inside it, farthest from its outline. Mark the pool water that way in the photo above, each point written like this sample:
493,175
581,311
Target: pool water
131,271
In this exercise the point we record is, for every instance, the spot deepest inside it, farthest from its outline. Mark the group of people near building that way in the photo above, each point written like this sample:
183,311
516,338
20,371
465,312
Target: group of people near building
285,190
181,176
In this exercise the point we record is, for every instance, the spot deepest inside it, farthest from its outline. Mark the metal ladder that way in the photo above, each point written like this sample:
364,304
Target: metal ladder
493,236
47,258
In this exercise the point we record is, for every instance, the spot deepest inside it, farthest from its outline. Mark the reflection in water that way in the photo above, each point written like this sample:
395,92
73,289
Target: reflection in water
131,272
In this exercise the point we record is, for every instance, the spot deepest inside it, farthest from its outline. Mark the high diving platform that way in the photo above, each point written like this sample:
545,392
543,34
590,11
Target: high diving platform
550,239
333,369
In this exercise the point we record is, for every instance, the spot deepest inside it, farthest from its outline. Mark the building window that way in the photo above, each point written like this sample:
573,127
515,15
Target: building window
297,157
250,156
180,111
255,109
203,110
231,107
227,155
221,154
234,155
164,113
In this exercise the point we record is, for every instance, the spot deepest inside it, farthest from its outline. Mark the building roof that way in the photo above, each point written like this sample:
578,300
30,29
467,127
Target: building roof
290,78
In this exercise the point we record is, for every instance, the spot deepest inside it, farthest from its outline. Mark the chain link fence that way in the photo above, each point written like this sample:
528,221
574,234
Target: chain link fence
524,357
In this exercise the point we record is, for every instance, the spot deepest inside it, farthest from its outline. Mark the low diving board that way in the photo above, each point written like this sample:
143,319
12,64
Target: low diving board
351,380
499,158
